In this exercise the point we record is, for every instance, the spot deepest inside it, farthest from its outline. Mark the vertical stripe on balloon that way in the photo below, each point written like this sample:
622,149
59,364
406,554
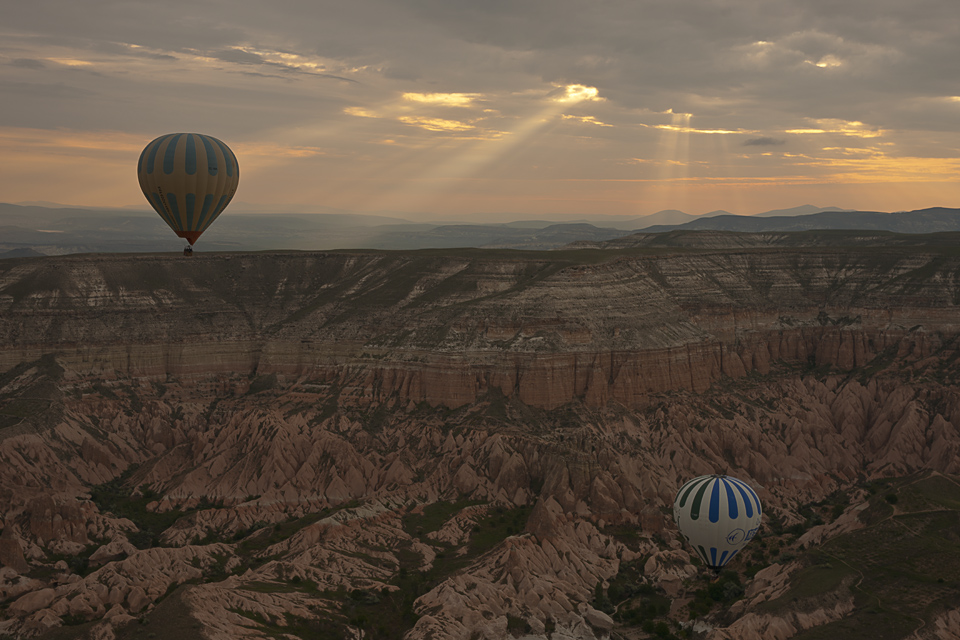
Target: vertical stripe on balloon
169,156
684,494
161,208
152,154
228,158
715,501
204,211
190,158
214,213
753,495
221,205
190,205
143,154
211,156
731,498
747,503
756,498
698,500
175,210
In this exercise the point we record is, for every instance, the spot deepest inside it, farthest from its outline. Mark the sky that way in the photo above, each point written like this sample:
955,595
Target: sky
526,107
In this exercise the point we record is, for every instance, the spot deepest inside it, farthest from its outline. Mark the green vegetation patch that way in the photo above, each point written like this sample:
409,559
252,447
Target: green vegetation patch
434,516
115,497
628,582
296,626
499,524
170,619
517,626
725,590
253,542
626,534
812,581
23,407
930,493
263,383
389,614
869,622
295,585
902,570
648,605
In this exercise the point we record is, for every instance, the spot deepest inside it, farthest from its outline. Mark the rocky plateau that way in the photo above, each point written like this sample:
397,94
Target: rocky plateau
480,444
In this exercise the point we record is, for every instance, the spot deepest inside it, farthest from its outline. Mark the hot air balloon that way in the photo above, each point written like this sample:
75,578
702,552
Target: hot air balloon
189,179
717,515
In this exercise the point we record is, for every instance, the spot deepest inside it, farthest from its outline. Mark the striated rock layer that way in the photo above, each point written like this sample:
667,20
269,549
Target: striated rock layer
547,328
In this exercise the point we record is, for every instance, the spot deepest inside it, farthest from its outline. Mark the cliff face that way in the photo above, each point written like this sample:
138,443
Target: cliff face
475,442
443,329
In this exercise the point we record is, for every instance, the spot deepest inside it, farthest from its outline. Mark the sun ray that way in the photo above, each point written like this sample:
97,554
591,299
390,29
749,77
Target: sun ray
673,153
726,169
431,185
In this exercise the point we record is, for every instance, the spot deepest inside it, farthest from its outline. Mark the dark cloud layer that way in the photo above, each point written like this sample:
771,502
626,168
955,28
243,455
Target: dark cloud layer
642,54
763,141
27,63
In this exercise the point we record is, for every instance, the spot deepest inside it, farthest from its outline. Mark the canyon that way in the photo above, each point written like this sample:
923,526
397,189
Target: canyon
480,443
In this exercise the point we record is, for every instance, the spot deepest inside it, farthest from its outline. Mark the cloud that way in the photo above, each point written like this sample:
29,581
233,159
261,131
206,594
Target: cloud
71,62
763,141
847,128
127,50
685,129
437,124
443,99
399,73
238,56
27,63
586,120
573,93
277,60
360,112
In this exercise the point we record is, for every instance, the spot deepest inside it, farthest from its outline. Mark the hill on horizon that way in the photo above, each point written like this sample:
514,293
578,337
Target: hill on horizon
931,220
57,231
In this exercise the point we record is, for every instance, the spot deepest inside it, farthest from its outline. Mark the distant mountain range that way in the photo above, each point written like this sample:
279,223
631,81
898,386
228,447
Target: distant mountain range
72,230
921,221
34,229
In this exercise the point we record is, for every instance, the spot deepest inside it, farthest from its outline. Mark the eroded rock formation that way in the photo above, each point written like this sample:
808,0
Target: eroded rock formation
482,444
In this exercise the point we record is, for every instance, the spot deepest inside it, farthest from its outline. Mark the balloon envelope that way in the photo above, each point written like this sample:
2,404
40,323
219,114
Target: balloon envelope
717,515
189,179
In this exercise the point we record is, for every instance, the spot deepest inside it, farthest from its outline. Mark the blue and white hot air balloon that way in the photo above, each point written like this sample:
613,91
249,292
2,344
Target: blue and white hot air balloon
717,515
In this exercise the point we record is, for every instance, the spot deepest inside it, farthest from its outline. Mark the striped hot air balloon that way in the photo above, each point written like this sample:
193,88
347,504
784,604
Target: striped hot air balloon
717,515
189,179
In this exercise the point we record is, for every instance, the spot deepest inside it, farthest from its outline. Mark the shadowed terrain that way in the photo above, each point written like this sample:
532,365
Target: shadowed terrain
456,444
